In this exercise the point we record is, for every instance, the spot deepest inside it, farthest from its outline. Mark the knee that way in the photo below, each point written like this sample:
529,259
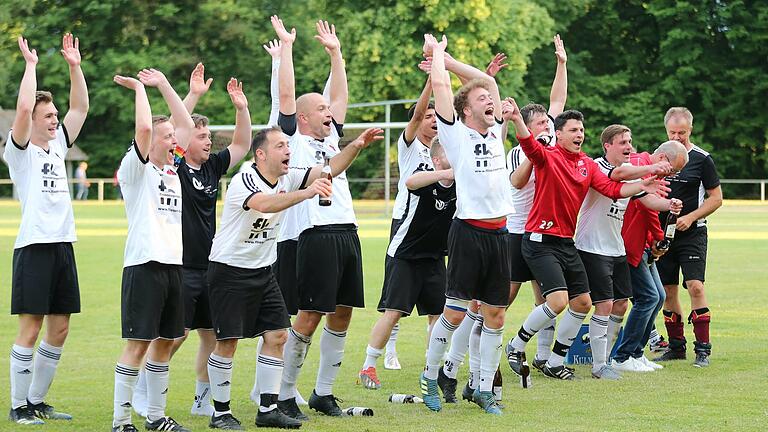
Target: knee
620,307
581,304
134,351
28,334
57,334
226,348
493,317
454,316
392,317
695,288
276,339
557,301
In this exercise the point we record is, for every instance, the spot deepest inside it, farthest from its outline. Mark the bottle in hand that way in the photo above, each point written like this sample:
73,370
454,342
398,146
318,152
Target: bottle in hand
670,227
326,173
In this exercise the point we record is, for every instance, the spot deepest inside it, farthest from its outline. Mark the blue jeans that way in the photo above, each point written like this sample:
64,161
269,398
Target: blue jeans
647,299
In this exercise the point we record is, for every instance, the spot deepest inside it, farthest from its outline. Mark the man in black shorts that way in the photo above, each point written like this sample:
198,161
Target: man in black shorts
698,186
44,284
414,274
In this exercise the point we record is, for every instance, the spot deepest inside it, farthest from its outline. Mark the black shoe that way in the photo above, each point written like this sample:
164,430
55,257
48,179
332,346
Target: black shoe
44,411
290,408
325,404
276,419
165,424
447,386
539,364
517,361
560,372
24,416
676,351
703,351
467,393
226,422
125,428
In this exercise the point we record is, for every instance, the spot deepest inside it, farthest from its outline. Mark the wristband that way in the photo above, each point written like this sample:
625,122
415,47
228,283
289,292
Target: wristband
178,155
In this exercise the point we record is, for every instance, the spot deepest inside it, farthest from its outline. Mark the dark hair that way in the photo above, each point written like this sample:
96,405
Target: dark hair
157,119
42,97
530,110
261,138
412,110
199,120
567,115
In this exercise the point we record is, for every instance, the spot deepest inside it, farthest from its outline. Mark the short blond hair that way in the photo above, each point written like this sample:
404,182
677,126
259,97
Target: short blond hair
679,112
461,100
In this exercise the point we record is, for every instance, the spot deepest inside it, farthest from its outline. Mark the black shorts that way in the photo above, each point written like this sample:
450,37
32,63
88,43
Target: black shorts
416,282
519,270
197,307
608,277
329,266
245,303
688,252
152,305
44,280
478,264
285,273
556,264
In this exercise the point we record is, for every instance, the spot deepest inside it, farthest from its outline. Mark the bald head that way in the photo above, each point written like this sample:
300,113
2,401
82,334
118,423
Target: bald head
313,115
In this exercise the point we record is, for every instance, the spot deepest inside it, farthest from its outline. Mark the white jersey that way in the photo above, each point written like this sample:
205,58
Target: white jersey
522,198
247,238
153,206
41,180
598,229
410,158
479,168
307,152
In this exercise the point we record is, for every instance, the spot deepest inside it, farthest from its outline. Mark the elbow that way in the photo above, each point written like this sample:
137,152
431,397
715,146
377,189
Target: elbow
144,129
410,185
518,183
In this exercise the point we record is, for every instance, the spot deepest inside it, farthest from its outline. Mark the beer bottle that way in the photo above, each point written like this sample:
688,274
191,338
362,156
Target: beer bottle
326,173
670,227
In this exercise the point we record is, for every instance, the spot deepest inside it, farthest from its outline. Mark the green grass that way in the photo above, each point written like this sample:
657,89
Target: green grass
732,394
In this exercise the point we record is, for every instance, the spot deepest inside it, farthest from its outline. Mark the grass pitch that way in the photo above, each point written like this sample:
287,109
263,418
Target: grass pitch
732,394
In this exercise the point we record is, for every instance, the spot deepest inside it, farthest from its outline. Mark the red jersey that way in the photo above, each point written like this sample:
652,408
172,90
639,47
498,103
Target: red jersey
641,224
562,181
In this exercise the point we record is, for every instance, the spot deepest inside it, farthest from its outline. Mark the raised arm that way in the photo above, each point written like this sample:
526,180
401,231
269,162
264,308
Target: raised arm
286,80
78,90
273,203
469,73
25,102
421,179
143,116
198,86
184,124
441,81
339,94
418,113
559,92
241,139
273,47
344,159
496,65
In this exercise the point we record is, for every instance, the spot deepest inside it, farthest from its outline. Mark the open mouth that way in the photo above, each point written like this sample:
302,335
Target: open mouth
434,128
286,162
327,123
577,143
489,111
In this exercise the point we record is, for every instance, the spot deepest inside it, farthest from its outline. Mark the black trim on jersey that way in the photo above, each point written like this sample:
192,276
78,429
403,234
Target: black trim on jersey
271,185
515,158
449,123
245,203
498,121
138,152
18,146
339,127
304,180
66,136
287,123
407,143
248,182
639,195
607,165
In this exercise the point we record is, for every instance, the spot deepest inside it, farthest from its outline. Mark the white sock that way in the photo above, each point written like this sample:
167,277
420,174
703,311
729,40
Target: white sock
255,390
459,345
21,374
614,325
371,356
539,317
202,394
125,381
294,352
269,369
141,383
392,342
220,375
43,371
157,388
331,354
598,340
490,353
570,324
544,340
438,343
474,352
654,336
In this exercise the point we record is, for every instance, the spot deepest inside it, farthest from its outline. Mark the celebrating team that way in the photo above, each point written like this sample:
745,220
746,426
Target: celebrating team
585,232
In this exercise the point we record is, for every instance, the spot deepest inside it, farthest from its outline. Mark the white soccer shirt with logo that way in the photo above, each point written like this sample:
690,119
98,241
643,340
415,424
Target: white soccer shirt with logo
153,207
480,170
598,229
248,238
410,158
41,180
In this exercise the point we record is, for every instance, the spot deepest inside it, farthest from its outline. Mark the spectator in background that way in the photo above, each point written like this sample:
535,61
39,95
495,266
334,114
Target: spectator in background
81,178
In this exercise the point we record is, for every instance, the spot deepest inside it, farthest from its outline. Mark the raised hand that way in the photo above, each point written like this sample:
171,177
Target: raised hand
652,185
326,35
426,65
510,110
661,169
367,137
70,49
235,90
273,48
675,206
430,43
562,57
152,77
282,33
30,56
496,64
127,82
197,83
322,187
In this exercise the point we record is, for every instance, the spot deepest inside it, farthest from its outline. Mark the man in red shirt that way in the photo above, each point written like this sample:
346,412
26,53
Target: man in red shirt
564,175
